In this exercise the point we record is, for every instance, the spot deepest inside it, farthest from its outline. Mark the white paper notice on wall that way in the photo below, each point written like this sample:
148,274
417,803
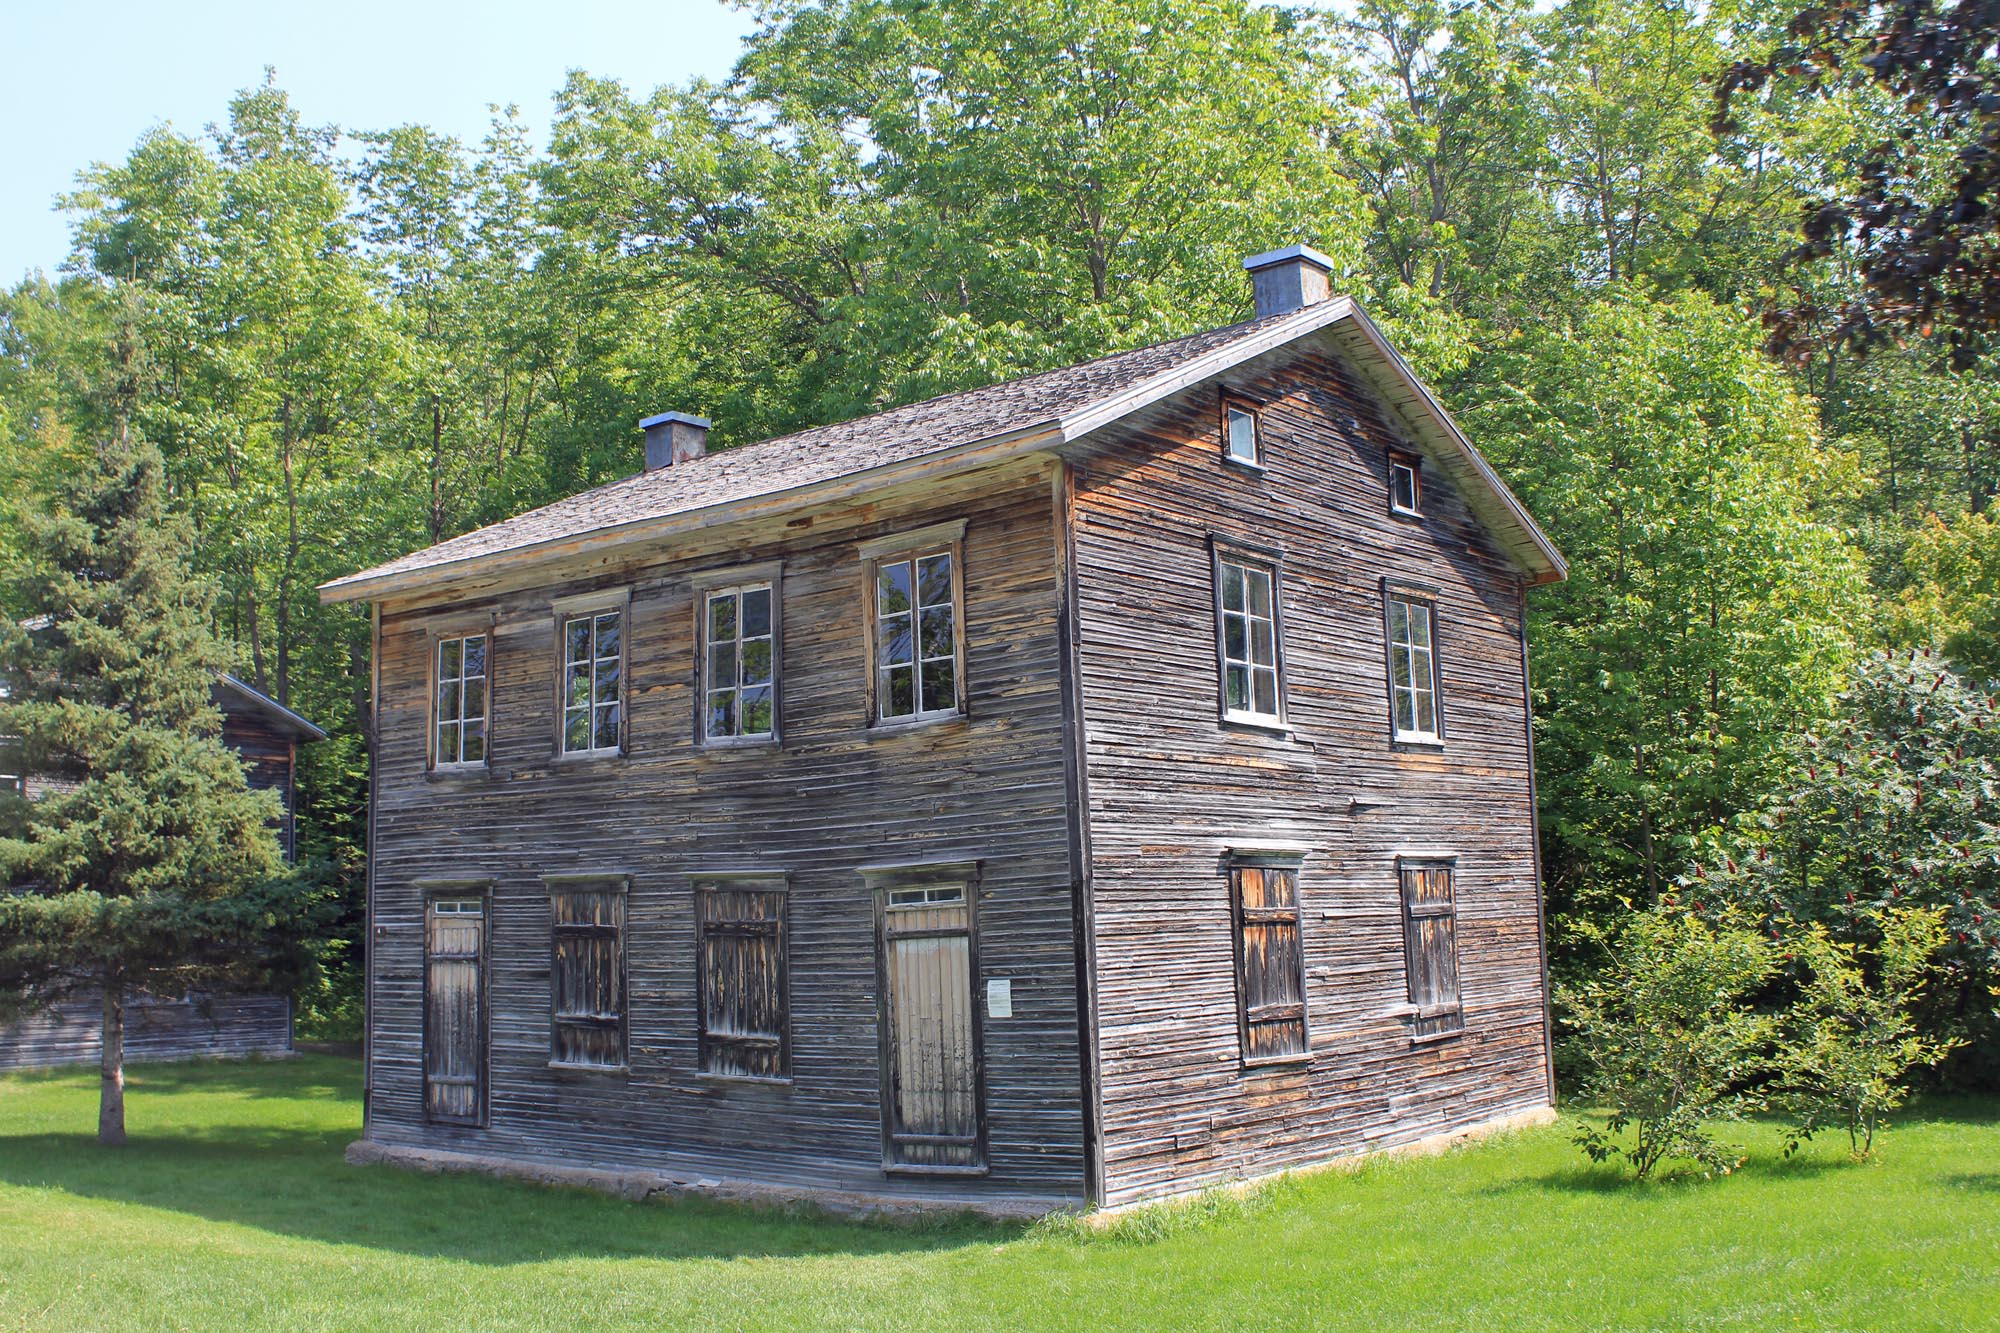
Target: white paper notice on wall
1000,997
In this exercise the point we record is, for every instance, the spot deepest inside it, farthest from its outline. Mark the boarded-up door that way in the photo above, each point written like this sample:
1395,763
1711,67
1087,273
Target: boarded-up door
455,1010
930,1046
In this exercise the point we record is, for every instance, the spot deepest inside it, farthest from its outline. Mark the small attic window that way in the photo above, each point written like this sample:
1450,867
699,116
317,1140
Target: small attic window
1239,432
1405,484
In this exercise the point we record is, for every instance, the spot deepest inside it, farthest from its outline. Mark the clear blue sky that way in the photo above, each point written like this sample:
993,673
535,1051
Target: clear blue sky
83,82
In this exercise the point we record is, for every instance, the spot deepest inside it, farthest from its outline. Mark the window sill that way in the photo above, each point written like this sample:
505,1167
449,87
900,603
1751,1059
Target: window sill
1269,726
1417,741
1277,1063
458,772
1397,511
903,1169
1434,1038
1244,464
565,1067
750,1080
769,742
889,726
587,756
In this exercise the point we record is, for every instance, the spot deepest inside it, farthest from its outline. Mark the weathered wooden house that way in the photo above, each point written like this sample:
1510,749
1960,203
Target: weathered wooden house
178,1027
1083,789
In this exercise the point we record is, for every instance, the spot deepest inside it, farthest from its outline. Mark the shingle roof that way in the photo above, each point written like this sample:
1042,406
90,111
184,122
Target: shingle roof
1071,401
824,452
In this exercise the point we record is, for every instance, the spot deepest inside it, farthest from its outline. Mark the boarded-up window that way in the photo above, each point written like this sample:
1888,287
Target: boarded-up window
1270,961
587,973
1430,941
741,925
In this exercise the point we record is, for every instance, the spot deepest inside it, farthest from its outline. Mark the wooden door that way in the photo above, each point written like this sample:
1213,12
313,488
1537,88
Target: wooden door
931,1034
455,1010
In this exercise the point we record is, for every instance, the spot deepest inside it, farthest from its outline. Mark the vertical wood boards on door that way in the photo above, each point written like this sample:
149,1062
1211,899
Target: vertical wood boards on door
455,1009
933,1119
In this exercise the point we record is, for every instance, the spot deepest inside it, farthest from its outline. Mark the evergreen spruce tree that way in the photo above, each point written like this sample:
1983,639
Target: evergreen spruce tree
147,864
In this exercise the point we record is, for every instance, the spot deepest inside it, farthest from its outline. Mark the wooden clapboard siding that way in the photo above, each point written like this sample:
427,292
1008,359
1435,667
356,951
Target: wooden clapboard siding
832,797
1170,789
72,1032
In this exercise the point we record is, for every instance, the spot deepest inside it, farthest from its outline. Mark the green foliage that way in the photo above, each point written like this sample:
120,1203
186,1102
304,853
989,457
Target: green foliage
150,864
1667,1040
1892,806
1711,607
1851,1037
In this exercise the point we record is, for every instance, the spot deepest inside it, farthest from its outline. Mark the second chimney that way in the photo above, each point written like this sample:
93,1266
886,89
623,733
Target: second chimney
1289,279
674,437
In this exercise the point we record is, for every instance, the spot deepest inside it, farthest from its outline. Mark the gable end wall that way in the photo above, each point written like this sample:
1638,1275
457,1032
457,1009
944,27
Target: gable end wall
1169,787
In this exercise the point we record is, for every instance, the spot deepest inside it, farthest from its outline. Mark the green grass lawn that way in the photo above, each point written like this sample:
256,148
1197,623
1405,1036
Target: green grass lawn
232,1209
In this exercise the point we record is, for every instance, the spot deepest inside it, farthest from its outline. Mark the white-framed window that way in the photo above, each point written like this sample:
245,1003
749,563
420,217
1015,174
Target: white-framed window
915,625
1240,443
1406,484
1410,619
592,691
1246,612
458,701
739,663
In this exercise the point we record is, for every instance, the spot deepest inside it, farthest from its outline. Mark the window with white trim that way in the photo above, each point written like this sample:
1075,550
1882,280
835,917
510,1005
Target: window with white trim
1239,432
593,701
1405,484
1246,602
1413,677
739,663
916,634
458,702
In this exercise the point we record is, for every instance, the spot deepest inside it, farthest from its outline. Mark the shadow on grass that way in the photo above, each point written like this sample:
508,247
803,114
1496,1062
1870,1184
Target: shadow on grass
1986,1182
295,1182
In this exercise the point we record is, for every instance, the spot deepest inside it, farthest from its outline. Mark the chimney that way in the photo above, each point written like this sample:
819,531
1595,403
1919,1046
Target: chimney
1289,279
674,437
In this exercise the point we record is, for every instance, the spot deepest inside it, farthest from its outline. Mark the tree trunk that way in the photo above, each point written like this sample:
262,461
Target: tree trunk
111,1098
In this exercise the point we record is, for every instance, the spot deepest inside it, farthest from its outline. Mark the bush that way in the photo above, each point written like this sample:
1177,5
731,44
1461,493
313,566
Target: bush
1851,1038
1667,1041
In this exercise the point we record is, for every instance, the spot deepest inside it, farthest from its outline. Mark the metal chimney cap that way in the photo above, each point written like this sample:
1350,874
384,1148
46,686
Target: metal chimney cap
699,423
1300,251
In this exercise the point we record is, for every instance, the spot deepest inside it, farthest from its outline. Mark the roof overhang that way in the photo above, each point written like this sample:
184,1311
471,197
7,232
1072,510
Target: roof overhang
259,702
1362,341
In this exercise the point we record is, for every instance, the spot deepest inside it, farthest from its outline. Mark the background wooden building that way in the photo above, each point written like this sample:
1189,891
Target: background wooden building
267,735
1087,788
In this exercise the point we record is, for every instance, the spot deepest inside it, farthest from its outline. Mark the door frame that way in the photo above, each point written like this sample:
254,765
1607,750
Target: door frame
928,874
433,890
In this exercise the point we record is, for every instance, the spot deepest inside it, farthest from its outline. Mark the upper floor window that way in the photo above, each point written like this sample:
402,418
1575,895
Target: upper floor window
1246,603
593,672
739,663
915,628
458,703
1406,489
1239,432
1413,672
